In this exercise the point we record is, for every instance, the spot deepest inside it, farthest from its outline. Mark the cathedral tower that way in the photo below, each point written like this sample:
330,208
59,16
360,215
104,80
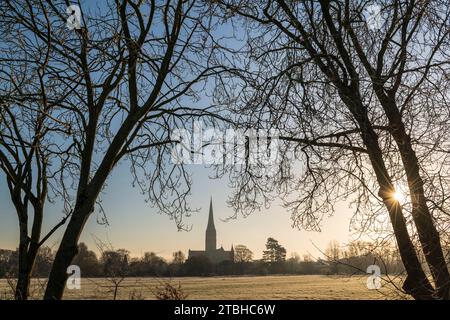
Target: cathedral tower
210,243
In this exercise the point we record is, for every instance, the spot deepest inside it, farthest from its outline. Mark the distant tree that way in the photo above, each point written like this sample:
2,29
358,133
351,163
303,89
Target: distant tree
293,263
176,266
333,253
308,265
198,266
43,263
8,263
295,257
115,262
274,251
178,257
259,267
360,254
133,74
153,264
242,254
87,261
226,267
3,263
115,265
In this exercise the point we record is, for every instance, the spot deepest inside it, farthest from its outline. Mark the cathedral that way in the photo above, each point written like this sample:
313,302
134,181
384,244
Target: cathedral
211,252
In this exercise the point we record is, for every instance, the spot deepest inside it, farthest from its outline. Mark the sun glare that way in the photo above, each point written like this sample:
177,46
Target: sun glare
400,196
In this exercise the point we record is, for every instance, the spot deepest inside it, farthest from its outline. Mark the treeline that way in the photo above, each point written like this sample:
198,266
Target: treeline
351,259
9,263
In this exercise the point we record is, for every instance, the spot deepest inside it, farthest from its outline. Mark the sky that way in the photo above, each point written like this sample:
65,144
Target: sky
137,227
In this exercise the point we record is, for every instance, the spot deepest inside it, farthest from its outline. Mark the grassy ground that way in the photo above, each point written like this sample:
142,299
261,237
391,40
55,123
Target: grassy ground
268,287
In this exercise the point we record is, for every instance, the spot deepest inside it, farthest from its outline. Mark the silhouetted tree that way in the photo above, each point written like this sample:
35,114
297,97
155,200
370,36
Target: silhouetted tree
87,261
198,266
178,257
114,264
156,265
31,157
176,266
242,254
44,260
274,251
131,72
293,263
225,267
333,254
8,263
351,103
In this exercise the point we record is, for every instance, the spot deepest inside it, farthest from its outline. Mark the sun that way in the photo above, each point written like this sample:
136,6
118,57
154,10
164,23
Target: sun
400,196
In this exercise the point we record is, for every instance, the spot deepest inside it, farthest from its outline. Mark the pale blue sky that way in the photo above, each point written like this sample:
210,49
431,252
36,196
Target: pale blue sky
134,225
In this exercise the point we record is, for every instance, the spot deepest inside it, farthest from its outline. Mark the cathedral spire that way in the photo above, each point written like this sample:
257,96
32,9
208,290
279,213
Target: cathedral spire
211,216
210,243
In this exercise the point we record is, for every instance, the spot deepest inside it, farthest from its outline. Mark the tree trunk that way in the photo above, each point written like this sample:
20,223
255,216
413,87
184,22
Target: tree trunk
428,234
86,197
27,259
23,276
416,283
350,95
66,252
28,247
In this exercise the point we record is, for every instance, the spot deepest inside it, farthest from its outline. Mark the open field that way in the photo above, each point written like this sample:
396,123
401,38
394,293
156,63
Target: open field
252,287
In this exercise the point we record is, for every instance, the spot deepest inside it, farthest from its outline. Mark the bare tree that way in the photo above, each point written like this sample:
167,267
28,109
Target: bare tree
134,69
178,258
333,254
396,85
242,254
309,76
115,265
30,157
166,290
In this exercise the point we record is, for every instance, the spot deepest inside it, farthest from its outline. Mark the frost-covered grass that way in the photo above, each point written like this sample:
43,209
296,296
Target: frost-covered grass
245,287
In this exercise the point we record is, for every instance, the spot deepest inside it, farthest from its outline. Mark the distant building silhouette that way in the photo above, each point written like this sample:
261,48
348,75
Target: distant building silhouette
211,252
